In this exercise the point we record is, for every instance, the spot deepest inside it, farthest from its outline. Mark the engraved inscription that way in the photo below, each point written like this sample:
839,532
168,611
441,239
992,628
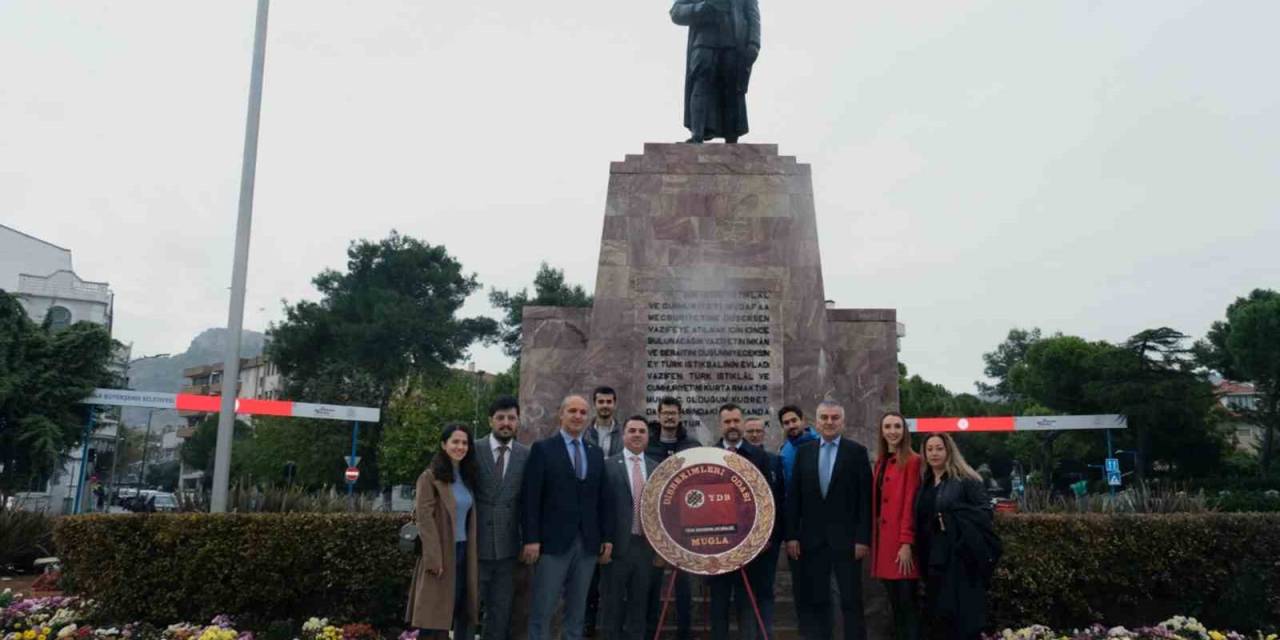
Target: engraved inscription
711,347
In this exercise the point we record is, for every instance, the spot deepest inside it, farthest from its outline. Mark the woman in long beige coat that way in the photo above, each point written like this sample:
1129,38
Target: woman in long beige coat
444,590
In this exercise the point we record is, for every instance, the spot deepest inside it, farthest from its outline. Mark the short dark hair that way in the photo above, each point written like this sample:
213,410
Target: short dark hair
638,418
503,403
603,390
728,406
670,401
791,408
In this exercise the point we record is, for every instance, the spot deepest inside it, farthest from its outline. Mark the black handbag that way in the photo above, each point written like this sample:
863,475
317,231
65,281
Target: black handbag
410,540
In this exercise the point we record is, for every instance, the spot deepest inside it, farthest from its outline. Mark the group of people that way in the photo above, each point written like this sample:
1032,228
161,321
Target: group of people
567,511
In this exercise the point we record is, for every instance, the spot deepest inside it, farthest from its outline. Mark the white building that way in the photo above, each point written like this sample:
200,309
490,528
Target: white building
1239,398
21,253
39,274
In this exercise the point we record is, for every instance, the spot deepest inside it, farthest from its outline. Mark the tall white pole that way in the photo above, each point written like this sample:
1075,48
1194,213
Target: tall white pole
235,317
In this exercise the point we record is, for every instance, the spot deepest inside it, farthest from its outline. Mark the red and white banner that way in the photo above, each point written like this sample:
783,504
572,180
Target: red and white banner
246,406
1016,423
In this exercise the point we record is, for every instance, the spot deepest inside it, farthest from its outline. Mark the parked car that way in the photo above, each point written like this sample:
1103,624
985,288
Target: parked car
38,501
163,500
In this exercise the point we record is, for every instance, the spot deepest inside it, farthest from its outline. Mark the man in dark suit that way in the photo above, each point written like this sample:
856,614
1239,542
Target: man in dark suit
729,586
565,514
766,564
829,526
500,467
628,577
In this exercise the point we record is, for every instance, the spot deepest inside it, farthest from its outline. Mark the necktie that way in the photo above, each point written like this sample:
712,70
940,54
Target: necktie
637,488
577,459
824,466
502,461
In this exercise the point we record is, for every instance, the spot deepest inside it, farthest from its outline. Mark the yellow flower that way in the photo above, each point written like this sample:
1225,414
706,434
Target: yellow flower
29,635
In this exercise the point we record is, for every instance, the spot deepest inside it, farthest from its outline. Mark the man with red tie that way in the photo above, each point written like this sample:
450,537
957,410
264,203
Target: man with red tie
628,577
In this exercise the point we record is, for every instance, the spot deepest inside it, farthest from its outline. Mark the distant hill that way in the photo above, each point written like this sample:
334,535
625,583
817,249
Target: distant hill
164,373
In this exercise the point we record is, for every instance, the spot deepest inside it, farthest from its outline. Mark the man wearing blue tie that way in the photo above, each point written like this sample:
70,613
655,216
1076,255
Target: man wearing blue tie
828,523
567,528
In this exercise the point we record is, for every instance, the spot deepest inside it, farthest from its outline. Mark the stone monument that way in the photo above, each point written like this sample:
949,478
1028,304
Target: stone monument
710,289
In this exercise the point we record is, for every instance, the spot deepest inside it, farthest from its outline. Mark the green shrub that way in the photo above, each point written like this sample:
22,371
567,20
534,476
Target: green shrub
1267,501
1064,570
1070,570
24,536
263,568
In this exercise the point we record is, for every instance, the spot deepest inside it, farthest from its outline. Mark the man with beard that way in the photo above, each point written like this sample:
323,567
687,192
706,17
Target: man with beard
727,586
797,433
500,468
670,438
605,433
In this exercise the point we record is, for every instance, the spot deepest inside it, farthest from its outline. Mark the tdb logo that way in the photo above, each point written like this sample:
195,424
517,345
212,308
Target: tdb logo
694,499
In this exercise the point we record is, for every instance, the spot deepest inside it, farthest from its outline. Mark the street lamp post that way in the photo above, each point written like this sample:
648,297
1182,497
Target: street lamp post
239,269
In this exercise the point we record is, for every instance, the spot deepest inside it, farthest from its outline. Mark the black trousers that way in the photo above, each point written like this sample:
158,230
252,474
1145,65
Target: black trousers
716,105
461,612
905,607
816,568
683,601
625,600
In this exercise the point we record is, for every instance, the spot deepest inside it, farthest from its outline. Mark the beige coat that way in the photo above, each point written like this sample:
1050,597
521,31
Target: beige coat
431,597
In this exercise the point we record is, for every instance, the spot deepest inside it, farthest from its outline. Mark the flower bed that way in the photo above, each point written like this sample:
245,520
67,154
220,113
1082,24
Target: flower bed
1175,628
69,618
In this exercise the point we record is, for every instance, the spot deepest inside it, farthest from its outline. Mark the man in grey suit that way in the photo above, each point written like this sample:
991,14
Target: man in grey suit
501,460
628,577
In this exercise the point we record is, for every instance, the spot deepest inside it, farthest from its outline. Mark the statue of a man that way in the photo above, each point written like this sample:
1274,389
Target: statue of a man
724,41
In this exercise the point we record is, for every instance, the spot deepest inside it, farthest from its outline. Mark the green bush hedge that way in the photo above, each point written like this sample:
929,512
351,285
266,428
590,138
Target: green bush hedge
263,568
1069,570
1061,570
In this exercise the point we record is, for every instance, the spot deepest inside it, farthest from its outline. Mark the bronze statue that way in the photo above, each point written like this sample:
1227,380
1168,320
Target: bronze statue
724,40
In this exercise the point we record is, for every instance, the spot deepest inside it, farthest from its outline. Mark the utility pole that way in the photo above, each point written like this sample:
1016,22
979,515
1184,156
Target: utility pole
239,269
146,443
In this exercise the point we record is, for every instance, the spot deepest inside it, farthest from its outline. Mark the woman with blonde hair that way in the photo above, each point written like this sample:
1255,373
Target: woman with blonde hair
957,545
896,481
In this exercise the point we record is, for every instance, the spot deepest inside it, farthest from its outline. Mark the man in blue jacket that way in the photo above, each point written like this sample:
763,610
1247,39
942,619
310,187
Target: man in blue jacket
567,528
793,427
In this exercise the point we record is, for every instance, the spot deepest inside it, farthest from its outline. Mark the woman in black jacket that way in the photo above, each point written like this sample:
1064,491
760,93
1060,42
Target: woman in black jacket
957,545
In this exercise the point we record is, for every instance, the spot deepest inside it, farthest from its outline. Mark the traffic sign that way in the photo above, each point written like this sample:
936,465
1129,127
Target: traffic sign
352,461
1113,472
352,474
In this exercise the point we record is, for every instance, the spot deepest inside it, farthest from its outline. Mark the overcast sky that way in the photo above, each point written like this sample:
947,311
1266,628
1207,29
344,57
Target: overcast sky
1096,168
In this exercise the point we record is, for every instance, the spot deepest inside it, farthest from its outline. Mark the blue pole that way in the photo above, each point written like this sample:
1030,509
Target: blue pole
355,435
84,460
1104,466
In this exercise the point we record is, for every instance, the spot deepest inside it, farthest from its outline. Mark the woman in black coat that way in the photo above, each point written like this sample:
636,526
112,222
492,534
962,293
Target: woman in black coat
958,547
